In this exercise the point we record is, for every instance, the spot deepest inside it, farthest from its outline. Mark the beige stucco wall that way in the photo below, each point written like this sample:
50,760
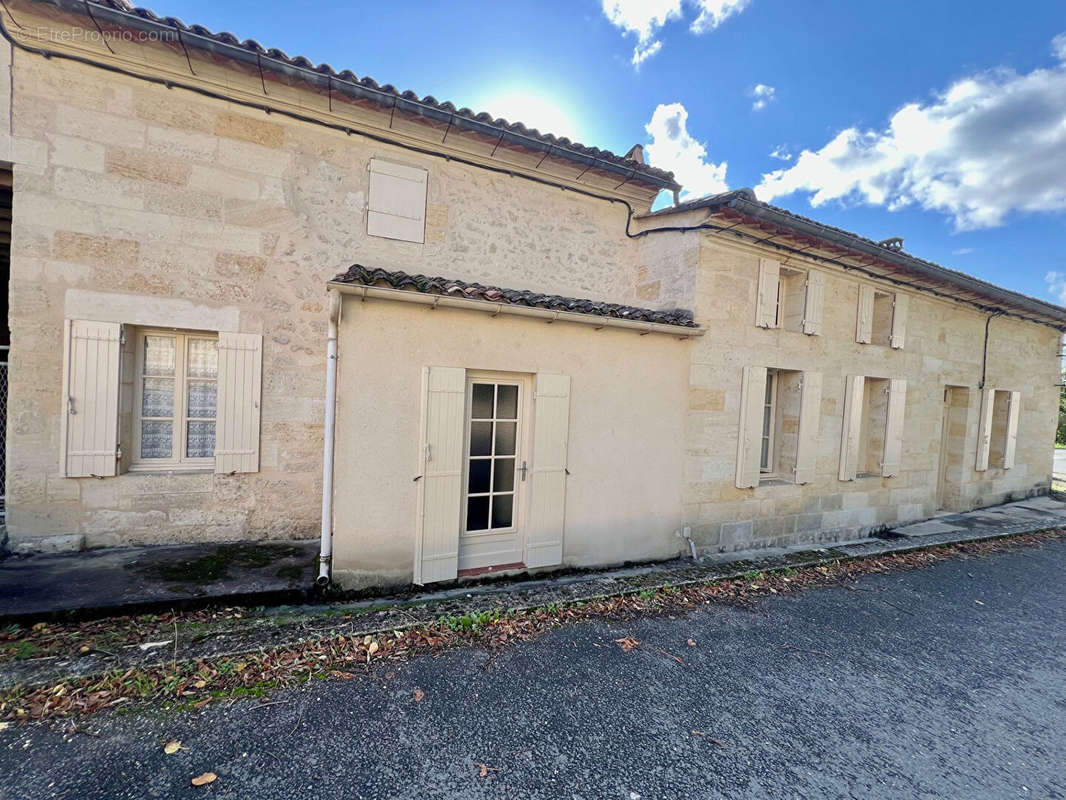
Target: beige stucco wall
626,444
943,347
138,203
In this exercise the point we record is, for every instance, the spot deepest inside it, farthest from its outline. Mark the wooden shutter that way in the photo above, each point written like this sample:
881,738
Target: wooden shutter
437,545
547,501
897,403
899,320
984,429
92,354
240,367
1012,429
810,418
812,308
397,202
766,302
855,387
864,325
749,443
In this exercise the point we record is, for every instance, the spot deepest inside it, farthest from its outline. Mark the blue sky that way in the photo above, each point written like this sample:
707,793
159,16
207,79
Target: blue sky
943,122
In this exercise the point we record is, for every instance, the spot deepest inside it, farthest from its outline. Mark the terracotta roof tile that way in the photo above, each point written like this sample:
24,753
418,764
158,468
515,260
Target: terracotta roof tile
366,276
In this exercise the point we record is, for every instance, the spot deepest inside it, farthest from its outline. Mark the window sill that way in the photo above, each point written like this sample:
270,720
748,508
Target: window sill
770,480
868,475
183,469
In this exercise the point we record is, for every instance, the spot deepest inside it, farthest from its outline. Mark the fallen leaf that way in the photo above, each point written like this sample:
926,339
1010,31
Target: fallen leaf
203,780
979,602
84,648
4,726
153,645
485,769
628,643
200,684
171,747
419,695
390,675
345,675
698,733
691,642
372,648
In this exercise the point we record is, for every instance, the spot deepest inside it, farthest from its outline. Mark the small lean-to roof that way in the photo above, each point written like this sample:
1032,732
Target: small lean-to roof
121,12
359,275
741,206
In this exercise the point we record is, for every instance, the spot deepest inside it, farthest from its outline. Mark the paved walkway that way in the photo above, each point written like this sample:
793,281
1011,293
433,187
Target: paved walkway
945,682
123,580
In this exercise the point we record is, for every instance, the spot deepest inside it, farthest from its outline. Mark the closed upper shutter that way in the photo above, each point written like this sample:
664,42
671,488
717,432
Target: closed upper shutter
812,308
240,368
899,320
810,418
984,429
864,324
897,403
766,302
547,501
91,357
1012,429
397,203
437,543
855,387
752,401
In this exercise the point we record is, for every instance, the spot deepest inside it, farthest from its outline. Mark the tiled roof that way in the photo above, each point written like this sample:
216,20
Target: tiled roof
365,276
561,145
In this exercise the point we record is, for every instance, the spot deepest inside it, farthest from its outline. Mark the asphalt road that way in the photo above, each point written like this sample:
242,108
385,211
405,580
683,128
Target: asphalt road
948,682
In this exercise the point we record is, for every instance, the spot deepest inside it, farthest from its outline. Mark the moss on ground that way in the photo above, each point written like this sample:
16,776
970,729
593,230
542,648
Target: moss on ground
215,565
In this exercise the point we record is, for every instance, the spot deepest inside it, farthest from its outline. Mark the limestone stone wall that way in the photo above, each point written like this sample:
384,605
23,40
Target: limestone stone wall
943,348
134,200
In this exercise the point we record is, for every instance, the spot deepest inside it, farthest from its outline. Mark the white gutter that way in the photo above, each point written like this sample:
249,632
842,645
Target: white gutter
325,553
487,306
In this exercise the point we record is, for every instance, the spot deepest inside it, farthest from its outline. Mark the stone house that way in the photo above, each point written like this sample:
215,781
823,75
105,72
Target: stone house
197,221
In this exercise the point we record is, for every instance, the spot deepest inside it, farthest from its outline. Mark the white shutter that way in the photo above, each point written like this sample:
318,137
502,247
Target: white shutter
749,441
766,302
810,418
240,367
899,320
897,403
92,354
984,429
864,325
441,493
849,438
1012,429
397,202
812,308
547,501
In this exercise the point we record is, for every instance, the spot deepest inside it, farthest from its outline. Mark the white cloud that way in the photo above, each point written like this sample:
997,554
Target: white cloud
764,95
714,12
990,144
645,18
962,251
673,148
781,153
1056,285
1058,47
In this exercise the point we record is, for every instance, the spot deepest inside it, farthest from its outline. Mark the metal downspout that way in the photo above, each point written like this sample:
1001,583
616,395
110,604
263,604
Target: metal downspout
325,554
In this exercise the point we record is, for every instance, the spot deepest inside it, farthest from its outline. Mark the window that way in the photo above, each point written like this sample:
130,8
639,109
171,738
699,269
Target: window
882,317
397,202
492,456
1000,409
872,437
780,417
176,398
789,298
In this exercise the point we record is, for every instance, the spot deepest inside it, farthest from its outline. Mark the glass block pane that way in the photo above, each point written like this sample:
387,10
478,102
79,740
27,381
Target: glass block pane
477,513
201,440
158,355
503,477
203,358
480,438
505,438
157,439
202,398
481,401
502,506
478,480
507,402
158,397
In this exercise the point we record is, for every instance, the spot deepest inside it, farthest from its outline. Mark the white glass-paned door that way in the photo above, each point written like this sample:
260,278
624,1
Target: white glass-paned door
492,456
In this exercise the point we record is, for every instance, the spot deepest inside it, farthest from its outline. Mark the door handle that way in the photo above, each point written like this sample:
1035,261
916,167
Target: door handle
523,470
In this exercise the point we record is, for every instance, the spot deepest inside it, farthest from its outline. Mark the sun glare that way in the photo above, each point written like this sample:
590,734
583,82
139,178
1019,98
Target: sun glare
533,111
